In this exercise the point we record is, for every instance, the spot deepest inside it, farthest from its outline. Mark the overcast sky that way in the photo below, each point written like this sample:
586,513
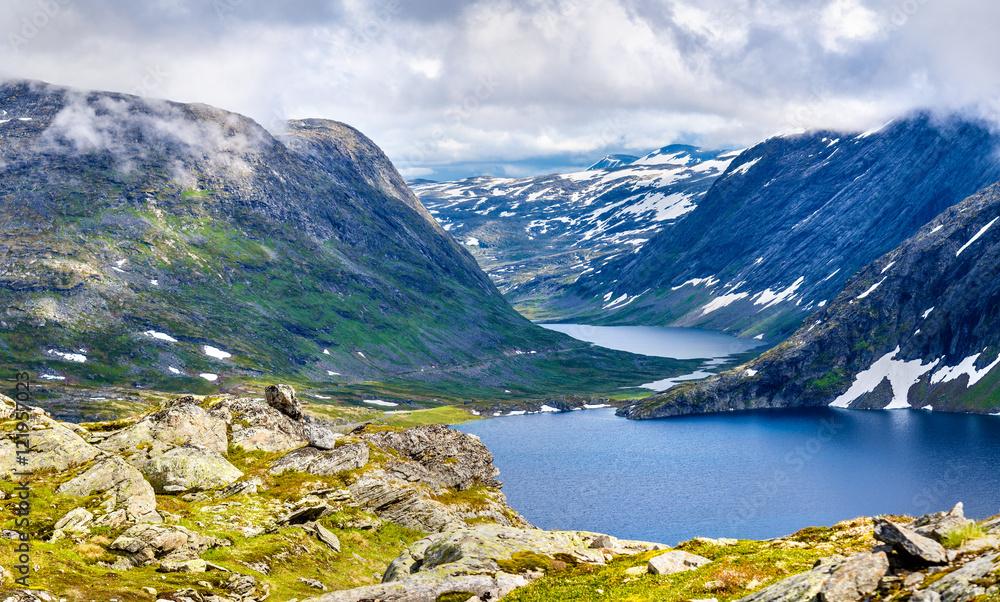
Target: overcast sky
451,89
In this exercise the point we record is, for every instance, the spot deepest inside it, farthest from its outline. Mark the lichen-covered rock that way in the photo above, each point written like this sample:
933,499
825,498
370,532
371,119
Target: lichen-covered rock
322,437
675,561
401,504
909,543
77,520
479,587
121,485
967,582
7,407
283,399
476,550
856,579
54,446
183,423
324,463
188,468
832,579
255,425
441,457
145,544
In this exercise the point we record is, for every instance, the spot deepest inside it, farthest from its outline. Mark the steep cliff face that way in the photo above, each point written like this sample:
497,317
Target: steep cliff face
792,219
536,236
147,240
919,327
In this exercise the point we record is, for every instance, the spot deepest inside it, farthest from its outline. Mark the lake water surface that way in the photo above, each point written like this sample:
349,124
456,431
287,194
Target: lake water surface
678,343
746,475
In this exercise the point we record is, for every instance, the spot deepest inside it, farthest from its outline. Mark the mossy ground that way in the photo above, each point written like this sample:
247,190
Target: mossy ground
69,567
736,571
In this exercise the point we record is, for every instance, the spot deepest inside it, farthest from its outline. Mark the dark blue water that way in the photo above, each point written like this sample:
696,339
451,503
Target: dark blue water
745,475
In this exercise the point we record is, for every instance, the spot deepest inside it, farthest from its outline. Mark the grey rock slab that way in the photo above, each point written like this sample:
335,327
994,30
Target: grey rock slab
961,585
323,463
189,468
804,587
675,561
482,587
54,446
257,426
475,550
329,538
857,579
77,520
909,543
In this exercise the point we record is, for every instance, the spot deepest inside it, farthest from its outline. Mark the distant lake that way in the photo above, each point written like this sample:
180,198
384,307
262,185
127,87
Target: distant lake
746,475
678,343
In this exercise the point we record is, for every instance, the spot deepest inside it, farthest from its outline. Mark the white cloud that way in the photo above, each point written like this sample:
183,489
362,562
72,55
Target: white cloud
845,22
444,81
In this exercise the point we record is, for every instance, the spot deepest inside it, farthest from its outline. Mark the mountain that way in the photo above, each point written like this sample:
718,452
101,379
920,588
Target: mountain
153,242
613,161
919,327
792,219
536,236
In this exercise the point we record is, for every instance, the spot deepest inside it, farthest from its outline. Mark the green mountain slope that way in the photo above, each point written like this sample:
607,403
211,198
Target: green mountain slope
140,238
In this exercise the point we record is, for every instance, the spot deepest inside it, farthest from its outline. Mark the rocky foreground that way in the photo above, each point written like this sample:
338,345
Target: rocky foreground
234,499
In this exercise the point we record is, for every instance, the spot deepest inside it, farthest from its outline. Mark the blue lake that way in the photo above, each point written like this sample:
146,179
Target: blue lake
680,343
745,475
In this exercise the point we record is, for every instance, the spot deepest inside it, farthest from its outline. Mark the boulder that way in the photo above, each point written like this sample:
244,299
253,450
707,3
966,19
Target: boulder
324,463
939,525
441,457
189,468
832,579
248,487
257,426
968,582
909,544
675,561
122,486
196,565
322,437
145,544
925,596
77,520
183,423
475,551
479,587
282,398
54,446
857,579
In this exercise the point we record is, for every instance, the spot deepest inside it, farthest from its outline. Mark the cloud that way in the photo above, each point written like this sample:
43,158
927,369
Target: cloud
439,83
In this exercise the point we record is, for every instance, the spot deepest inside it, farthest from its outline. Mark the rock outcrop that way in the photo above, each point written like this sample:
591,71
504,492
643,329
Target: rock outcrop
256,426
833,579
146,544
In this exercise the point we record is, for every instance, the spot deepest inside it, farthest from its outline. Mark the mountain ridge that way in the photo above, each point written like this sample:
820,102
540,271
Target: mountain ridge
917,328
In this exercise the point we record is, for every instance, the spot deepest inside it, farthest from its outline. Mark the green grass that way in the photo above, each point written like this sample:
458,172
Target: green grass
956,538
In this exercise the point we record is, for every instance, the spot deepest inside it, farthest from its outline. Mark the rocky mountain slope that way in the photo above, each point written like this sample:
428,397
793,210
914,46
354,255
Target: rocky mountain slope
919,327
534,236
169,244
792,219
229,499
